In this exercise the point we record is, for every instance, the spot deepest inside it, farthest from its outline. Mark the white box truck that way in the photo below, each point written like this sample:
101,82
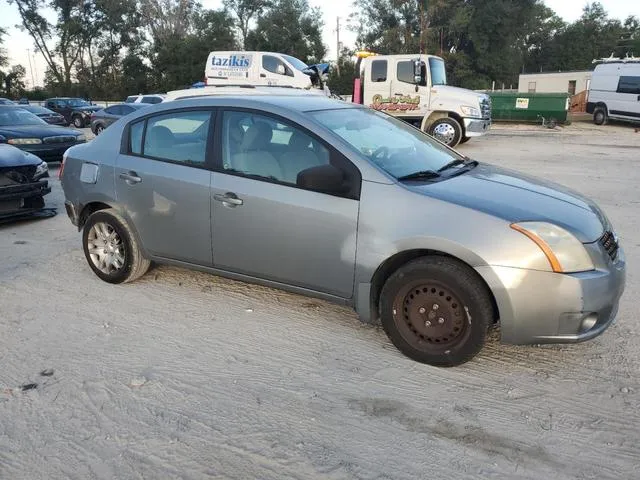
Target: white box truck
263,68
414,88
614,91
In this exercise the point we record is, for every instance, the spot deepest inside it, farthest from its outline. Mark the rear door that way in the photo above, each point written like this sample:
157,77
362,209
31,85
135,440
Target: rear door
163,182
377,84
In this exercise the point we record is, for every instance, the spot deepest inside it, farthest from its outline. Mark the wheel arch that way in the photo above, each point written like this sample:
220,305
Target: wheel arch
396,261
88,209
427,121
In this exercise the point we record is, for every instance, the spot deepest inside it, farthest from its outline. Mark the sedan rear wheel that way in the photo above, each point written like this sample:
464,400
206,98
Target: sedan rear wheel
111,248
436,310
99,129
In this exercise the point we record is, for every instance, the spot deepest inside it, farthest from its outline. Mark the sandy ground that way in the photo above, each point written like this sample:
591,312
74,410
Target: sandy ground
185,375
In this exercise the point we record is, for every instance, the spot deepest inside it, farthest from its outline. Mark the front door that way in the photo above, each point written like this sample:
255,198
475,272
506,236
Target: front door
164,184
264,225
274,71
408,101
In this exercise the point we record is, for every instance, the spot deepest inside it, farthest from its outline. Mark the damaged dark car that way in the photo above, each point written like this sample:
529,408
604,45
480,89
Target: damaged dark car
23,183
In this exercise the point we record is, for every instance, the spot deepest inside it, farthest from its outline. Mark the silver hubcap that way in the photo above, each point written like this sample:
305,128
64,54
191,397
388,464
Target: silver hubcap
444,132
77,122
105,248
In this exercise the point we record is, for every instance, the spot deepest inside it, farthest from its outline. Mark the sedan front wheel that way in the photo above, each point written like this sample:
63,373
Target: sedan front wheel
436,310
78,122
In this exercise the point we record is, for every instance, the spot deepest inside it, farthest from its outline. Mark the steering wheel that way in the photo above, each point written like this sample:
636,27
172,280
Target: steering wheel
380,153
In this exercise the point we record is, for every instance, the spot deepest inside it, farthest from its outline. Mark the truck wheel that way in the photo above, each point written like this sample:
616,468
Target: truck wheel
600,116
78,122
111,248
464,140
447,130
436,310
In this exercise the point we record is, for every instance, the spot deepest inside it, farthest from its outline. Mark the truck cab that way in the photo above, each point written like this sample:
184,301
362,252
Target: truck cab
414,88
263,68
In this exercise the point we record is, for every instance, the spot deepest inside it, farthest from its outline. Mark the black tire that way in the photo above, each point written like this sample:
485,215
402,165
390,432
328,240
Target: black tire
134,265
600,116
464,140
447,130
77,121
436,289
99,129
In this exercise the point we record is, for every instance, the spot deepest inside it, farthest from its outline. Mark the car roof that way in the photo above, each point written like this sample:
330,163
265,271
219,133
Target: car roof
300,102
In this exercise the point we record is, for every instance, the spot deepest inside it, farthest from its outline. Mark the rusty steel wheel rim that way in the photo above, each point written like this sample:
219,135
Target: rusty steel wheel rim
430,316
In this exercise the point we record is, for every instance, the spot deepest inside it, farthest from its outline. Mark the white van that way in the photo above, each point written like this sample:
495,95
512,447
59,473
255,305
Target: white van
414,88
615,91
262,68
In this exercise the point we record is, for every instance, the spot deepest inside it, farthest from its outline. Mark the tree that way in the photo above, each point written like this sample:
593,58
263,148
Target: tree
4,59
244,12
67,32
342,84
291,27
179,61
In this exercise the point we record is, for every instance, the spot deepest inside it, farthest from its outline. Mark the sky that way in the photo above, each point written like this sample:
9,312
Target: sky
18,42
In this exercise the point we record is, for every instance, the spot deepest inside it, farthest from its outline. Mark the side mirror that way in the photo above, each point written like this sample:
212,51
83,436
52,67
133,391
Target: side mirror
323,178
417,79
280,70
417,68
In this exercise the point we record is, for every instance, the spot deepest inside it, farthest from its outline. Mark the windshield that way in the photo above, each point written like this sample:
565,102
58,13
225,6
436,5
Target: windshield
393,145
297,64
10,117
35,109
78,102
438,72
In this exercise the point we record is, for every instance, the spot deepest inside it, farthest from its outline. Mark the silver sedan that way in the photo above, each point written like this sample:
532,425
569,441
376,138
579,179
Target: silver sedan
337,201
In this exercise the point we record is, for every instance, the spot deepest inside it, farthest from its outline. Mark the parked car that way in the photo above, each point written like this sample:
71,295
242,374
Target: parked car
338,201
23,183
75,111
52,118
23,101
105,117
614,91
24,130
151,98
6,101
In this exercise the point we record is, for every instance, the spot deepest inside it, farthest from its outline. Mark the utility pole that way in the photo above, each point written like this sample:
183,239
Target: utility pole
338,45
33,83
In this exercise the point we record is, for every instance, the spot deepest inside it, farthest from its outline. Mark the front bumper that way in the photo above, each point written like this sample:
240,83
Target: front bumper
547,307
475,127
22,199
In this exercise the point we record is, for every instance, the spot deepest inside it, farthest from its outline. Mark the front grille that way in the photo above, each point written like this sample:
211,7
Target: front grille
610,244
59,139
485,107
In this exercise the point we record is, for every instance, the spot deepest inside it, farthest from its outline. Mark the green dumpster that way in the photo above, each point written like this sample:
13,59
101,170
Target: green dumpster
529,107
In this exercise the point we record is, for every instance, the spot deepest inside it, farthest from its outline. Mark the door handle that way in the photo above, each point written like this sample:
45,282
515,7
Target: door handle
130,177
229,198
263,75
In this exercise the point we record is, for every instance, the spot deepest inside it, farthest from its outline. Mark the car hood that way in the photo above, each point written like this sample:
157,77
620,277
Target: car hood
11,156
37,131
516,197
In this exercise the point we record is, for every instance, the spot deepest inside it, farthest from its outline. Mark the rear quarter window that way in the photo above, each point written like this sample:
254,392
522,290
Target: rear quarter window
135,138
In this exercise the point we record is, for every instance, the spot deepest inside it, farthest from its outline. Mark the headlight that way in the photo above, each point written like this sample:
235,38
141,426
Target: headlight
41,169
564,251
24,141
470,111
81,138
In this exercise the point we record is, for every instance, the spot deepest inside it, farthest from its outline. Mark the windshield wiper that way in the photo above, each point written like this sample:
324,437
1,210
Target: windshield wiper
456,162
420,174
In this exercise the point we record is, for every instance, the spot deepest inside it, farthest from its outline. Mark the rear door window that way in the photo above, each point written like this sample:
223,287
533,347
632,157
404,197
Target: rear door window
379,71
151,99
179,137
